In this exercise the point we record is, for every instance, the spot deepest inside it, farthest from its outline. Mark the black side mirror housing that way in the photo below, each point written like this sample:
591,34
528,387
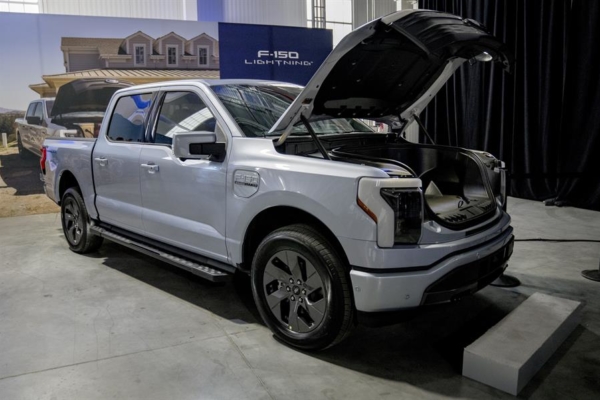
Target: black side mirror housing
34,120
215,151
198,145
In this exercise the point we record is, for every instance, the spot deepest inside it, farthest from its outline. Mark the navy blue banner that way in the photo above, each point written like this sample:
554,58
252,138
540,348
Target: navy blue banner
281,53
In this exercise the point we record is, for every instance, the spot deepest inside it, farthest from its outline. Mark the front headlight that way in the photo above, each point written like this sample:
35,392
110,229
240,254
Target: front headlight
408,213
396,207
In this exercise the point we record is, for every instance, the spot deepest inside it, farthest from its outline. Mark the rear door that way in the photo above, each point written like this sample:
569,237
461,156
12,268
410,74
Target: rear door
116,161
184,200
28,132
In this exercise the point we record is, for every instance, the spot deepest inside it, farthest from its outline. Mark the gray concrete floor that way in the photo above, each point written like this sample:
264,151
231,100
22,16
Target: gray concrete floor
121,325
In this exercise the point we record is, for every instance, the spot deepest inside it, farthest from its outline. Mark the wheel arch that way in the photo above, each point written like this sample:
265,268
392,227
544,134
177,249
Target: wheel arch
277,217
66,180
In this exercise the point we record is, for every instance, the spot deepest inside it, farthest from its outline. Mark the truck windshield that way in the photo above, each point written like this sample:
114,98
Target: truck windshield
256,108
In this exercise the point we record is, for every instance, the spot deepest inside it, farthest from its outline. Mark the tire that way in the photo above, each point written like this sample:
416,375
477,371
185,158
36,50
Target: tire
302,288
23,153
76,223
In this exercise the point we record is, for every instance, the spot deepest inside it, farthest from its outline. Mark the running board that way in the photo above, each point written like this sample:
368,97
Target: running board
203,271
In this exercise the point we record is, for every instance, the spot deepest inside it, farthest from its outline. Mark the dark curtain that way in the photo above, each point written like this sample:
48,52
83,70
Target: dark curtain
543,120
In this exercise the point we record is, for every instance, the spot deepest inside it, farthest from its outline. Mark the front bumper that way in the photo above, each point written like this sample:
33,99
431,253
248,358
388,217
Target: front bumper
451,278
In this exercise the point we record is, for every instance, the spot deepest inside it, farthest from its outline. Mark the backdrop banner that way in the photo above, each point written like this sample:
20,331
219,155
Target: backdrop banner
281,53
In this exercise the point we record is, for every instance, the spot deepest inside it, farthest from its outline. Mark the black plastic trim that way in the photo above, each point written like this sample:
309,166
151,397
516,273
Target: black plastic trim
168,248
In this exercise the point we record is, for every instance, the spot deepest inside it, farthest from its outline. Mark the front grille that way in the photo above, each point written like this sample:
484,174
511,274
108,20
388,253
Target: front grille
468,278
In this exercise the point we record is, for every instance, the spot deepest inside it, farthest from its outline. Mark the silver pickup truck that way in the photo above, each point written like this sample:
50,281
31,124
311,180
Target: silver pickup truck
332,221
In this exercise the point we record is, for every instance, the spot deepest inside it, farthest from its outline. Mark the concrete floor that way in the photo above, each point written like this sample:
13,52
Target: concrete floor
121,325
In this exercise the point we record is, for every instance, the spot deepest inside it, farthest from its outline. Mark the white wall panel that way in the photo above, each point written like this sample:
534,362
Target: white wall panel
160,9
267,12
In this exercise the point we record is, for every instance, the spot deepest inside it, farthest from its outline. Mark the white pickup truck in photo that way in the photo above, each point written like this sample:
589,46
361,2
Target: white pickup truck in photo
77,111
331,220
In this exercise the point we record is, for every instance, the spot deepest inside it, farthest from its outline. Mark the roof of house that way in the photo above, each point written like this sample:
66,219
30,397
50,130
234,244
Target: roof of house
136,76
137,73
108,46
104,45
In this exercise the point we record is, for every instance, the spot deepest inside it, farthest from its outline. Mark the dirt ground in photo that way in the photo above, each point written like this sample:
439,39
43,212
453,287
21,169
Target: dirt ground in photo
21,191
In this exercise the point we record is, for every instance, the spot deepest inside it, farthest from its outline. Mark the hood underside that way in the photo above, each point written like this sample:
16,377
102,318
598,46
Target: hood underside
390,68
85,95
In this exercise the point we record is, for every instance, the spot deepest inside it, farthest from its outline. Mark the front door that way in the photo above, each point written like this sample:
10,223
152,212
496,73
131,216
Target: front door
116,163
183,200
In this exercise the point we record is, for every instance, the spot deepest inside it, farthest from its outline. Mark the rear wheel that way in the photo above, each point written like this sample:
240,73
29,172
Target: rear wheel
23,153
302,288
76,223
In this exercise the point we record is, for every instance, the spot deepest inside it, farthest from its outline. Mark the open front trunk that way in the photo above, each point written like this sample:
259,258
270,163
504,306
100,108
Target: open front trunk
456,186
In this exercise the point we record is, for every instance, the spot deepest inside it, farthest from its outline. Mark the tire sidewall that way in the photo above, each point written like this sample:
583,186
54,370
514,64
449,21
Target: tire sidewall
20,147
76,197
328,329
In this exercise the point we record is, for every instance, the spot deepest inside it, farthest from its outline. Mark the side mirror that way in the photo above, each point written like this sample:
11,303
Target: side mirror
34,120
198,145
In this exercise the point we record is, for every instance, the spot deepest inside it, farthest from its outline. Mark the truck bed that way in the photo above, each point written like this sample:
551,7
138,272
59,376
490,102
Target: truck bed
73,155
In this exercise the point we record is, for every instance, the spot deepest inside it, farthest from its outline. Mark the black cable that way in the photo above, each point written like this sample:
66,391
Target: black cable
557,240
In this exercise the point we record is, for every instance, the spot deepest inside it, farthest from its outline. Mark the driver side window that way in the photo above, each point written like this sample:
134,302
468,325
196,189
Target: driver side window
182,112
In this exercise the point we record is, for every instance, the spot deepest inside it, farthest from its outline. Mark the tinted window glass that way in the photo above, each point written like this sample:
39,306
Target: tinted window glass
49,105
39,112
31,109
129,116
182,112
256,108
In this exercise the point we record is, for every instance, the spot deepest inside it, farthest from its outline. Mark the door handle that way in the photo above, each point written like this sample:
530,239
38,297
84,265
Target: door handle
101,160
152,168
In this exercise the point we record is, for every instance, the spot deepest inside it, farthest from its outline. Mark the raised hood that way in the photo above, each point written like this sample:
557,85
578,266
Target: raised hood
85,95
390,68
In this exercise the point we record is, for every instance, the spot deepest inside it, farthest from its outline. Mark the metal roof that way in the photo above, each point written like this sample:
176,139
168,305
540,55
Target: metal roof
104,45
136,76
133,74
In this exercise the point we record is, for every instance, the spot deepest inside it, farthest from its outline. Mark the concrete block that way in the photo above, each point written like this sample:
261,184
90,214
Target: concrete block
508,355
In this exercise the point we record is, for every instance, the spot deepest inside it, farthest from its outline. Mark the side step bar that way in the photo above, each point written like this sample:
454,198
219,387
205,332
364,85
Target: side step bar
203,271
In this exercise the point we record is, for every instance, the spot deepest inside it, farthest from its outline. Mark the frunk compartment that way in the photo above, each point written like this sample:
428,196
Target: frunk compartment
455,184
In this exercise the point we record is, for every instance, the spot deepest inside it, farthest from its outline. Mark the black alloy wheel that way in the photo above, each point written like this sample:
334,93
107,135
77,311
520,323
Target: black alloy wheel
76,223
302,288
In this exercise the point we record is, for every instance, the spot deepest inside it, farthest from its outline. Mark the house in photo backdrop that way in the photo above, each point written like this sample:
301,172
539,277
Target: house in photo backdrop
137,58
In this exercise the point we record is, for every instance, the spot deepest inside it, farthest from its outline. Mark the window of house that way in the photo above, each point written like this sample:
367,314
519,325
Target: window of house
203,56
171,55
140,54
182,112
129,117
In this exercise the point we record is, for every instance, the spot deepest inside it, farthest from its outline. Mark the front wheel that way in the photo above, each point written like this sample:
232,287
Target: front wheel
76,223
302,288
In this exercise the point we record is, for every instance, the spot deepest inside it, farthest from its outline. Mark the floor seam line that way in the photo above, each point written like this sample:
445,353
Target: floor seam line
262,383
108,358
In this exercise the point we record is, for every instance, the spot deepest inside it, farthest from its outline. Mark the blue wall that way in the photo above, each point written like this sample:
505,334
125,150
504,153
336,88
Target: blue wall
287,54
210,10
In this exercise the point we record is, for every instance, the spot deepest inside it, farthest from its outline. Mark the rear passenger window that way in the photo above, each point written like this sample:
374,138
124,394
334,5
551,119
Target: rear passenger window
128,118
182,112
